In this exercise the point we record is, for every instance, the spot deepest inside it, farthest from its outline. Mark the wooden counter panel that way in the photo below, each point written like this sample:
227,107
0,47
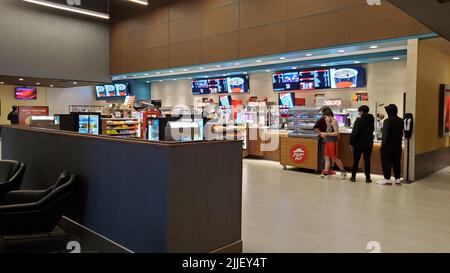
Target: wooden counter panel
266,138
254,148
346,155
312,152
271,137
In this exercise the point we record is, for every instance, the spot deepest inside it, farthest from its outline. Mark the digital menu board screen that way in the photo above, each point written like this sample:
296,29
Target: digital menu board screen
312,79
286,100
348,77
286,81
444,109
225,101
112,91
223,85
447,111
25,93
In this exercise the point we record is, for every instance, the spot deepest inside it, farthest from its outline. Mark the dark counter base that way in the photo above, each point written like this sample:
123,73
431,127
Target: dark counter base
431,162
65,232
146,196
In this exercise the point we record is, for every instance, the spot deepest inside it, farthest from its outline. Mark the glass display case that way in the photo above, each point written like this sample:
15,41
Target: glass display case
86,109
275,120
353,115
231,131
301,121
257,114
183,130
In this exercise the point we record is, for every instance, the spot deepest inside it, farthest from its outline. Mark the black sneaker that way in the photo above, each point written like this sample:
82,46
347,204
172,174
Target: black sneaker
353,179
368,180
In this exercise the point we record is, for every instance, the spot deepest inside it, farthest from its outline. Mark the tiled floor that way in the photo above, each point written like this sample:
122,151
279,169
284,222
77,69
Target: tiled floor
290,211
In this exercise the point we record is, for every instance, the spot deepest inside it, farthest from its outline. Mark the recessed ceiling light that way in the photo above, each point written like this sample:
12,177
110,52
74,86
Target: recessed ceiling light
38,83
341,51
51,85
259,61
21,80
374,47
282,58
308,55
148,81
201,68
2,82
75,83
396,58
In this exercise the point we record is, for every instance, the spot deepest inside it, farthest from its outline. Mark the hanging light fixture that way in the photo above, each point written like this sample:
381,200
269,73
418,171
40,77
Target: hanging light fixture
142,2
68,8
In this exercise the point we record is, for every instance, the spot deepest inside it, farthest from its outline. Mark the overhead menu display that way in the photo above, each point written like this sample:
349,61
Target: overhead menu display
286,100
348,77
287,81
112,91
314,79
224,85
329,78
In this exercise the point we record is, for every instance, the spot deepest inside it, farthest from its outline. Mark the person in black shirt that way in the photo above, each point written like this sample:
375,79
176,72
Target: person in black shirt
13,116
361,141
391,146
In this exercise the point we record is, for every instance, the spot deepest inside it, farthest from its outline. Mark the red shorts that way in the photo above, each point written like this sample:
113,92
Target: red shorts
331,149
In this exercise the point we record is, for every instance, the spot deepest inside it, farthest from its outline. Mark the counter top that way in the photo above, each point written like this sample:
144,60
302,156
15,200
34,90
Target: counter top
114,139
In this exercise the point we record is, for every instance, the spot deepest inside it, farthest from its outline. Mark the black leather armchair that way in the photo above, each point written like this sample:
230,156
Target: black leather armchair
30,212
11,176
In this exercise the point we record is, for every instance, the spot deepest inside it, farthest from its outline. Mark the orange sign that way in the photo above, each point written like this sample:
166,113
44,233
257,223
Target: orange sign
299,153
28,111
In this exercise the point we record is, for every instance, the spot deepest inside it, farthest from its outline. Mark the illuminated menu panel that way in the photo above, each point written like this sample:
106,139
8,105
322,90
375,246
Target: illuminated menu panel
286,81
111,91
286,100
223,85
312,79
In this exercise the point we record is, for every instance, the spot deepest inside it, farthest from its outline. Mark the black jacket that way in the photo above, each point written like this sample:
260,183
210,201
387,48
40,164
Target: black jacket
13,117
393,129
362,134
